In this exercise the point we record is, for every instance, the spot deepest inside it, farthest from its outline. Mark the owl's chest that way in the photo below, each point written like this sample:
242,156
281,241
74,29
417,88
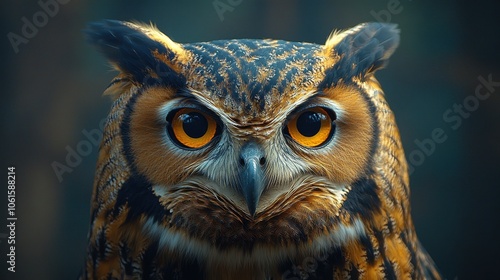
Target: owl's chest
312,267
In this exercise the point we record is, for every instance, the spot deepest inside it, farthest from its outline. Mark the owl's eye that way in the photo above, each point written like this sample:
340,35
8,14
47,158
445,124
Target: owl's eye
311,127
191,128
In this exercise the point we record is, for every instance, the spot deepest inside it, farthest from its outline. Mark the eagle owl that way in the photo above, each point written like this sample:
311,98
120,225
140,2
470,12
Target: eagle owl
250,159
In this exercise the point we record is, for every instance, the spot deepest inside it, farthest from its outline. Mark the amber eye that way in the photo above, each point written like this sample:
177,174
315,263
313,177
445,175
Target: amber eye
191,128
311,127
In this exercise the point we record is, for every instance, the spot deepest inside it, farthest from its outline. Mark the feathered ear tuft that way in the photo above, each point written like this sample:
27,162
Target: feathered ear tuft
141,53
361,50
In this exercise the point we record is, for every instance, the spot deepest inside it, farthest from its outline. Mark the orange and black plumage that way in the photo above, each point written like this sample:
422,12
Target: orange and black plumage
250,159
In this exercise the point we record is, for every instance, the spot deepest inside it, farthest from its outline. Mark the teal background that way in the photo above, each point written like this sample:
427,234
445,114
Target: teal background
52,89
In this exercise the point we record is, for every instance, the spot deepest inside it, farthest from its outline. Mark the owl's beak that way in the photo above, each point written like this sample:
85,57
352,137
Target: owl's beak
252,181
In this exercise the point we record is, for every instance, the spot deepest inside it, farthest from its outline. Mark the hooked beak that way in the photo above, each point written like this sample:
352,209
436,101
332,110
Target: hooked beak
252,181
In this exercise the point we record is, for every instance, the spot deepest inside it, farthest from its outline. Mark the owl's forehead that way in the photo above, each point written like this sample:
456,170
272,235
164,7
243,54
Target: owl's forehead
249,76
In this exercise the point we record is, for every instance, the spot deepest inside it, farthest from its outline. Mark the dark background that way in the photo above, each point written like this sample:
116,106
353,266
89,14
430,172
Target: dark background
51,94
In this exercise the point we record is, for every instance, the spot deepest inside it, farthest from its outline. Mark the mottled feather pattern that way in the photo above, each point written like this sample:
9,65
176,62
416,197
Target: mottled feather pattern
339,210
266,71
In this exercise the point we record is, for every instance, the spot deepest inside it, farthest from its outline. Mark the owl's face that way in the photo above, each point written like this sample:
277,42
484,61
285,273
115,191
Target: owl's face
253,146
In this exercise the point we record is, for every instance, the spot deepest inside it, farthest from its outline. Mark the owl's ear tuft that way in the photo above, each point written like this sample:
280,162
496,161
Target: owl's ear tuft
141,53
361,50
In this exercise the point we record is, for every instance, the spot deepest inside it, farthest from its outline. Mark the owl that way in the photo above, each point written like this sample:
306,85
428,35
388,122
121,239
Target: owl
250,159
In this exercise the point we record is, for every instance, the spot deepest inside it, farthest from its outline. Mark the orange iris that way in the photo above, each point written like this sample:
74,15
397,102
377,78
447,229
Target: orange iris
311,127
193,128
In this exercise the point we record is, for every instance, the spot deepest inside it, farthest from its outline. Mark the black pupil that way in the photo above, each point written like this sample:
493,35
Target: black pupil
309,123
195,125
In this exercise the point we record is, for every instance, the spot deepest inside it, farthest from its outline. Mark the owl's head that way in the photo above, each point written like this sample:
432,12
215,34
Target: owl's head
262,145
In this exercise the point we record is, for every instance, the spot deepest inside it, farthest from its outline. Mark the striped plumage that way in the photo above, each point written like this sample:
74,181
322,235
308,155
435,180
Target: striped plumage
250,159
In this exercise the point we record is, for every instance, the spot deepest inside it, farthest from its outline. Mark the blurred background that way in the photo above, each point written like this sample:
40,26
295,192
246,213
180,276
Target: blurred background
52,83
